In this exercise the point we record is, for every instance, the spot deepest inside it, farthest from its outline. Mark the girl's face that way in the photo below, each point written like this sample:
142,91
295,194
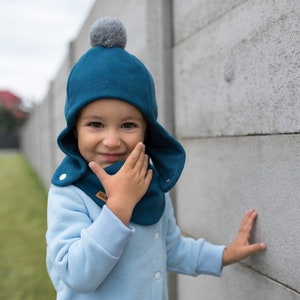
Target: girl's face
108,130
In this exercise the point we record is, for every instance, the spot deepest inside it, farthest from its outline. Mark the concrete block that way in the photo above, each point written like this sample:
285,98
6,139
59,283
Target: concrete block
188,19
237,76
236,282
159,49
224,177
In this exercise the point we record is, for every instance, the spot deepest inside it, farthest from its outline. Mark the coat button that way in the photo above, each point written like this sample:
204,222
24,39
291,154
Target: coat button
157,275
156,235
63,176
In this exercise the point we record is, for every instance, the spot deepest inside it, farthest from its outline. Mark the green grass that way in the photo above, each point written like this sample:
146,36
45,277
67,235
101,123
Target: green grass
23,273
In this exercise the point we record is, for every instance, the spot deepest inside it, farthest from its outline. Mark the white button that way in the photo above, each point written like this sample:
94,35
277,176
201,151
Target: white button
62,176
156,235
157,275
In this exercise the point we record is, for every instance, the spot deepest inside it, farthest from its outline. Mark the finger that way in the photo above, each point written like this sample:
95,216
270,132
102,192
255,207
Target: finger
145,164
247,221
134,156
251,216
248,216
253,248
148,177
141,164
98,170
250,221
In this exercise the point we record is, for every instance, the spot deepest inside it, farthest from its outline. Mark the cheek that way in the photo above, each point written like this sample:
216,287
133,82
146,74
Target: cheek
85,140
80,136
134,140
141,137
83,147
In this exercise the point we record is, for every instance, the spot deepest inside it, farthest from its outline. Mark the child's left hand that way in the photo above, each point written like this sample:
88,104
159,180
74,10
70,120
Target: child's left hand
240,248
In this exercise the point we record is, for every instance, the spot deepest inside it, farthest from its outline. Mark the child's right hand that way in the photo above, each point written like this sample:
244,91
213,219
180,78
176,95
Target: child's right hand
126,188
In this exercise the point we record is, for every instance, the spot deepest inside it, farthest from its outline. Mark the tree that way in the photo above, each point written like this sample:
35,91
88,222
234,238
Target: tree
8,122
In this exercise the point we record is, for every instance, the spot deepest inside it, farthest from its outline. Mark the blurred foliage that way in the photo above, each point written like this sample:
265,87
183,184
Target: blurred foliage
8,122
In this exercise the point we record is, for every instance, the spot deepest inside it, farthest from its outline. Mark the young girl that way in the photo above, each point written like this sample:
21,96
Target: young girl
111,228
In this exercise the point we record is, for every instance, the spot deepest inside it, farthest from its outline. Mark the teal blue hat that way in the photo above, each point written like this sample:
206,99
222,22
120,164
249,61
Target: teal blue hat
107,70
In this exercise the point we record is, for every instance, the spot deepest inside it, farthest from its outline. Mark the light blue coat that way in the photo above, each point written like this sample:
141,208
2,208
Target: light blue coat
91,254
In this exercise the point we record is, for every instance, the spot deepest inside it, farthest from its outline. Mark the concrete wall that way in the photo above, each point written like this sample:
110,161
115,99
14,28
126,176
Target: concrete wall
227,79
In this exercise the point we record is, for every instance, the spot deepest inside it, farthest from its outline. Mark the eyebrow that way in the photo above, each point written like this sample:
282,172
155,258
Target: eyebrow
87,117
97,117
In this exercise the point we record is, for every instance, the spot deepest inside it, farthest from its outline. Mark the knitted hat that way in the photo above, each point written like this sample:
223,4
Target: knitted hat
107,71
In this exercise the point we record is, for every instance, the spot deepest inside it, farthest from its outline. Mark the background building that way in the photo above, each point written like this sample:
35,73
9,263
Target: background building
227,80
12,116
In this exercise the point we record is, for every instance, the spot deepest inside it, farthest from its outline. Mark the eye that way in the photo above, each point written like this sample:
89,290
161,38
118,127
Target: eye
96,124
129,125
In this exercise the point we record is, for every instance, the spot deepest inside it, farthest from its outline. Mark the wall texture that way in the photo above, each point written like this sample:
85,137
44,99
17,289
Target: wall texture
227,79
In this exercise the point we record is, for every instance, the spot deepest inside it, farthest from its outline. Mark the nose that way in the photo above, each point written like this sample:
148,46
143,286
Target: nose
112,139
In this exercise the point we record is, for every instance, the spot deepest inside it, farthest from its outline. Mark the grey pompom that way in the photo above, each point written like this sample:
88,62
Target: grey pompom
108,32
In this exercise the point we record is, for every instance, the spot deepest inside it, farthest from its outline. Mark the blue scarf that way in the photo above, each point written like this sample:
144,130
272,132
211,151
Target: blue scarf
147,211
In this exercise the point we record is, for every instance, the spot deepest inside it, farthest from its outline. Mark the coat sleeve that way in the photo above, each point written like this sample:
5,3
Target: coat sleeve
190,256
81,251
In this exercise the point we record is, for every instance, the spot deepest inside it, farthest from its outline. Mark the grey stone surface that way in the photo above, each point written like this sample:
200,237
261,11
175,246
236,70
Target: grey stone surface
224,177
239,74
237,282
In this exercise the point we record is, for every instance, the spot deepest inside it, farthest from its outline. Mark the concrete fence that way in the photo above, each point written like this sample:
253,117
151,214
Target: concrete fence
227,78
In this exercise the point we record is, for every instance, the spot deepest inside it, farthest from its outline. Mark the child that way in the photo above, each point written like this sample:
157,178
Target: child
111,228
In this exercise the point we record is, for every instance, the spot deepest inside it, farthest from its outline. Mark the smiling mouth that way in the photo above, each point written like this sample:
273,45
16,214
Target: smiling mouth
112,157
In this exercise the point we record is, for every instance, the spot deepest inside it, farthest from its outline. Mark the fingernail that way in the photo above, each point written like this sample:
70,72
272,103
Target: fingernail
91,164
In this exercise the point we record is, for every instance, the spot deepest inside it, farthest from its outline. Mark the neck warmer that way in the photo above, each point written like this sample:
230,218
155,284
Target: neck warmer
147,211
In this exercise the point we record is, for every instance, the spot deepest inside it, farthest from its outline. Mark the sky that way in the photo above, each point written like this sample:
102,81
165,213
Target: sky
34,38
